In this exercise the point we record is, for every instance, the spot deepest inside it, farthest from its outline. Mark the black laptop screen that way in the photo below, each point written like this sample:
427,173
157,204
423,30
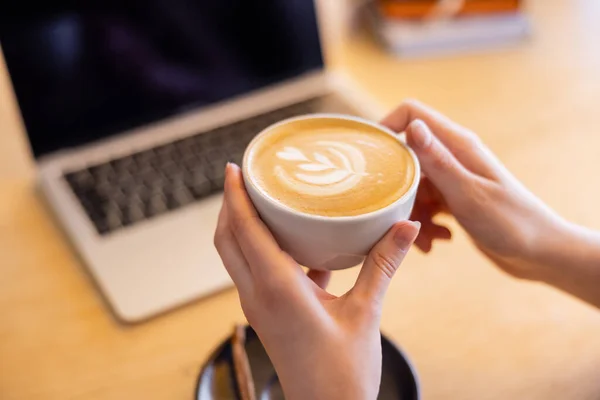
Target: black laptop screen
82,72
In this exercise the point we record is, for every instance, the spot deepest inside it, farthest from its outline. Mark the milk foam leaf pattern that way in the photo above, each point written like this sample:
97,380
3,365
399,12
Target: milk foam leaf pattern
322,175
320,163
314,167
292,154
343,158
323,160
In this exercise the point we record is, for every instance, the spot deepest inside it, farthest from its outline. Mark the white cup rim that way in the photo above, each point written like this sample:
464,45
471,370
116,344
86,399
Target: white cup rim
366,216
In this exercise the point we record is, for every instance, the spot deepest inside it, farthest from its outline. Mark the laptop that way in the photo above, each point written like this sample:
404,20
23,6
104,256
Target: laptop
132,110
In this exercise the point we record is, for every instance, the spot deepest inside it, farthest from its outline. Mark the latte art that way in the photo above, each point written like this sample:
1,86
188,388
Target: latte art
336,169
331,167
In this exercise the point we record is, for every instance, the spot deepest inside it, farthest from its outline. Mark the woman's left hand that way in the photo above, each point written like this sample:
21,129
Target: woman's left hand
322,346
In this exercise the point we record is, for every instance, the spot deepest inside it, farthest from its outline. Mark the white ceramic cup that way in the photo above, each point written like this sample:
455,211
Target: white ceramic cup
321,242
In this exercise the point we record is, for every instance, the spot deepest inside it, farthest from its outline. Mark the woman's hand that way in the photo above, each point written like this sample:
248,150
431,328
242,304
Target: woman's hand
462,177
507,222
322,346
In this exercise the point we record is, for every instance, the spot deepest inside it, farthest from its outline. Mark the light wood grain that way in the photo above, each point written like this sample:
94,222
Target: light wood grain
472,332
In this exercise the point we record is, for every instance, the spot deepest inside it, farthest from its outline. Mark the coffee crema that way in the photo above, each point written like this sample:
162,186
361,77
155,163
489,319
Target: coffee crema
330,167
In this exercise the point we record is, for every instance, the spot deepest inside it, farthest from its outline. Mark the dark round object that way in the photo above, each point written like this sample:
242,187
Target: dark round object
217,379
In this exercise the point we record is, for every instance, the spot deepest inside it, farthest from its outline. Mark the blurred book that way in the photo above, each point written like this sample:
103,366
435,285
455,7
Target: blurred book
406,27
419,9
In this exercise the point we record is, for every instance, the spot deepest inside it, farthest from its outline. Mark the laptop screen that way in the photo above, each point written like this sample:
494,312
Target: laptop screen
83,72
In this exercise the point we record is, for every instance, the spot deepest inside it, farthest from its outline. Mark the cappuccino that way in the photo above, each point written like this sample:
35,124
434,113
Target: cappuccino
329,166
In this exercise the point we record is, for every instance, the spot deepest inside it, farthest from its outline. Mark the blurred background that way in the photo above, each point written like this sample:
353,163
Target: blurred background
523,74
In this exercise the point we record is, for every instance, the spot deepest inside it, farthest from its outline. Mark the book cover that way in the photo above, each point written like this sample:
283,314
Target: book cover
419,9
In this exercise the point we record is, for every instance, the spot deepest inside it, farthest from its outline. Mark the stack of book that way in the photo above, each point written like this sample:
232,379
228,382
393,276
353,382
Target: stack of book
421,27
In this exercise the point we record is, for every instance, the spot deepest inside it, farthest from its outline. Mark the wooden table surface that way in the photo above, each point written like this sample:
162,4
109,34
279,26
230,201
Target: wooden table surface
472,332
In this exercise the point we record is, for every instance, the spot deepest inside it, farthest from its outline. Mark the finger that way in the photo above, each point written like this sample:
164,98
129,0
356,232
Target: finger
439,232
320,278
433,230
231,254
383,261
409,110
441,167
260,249
424,213
425,216
462,143
423,242
429,234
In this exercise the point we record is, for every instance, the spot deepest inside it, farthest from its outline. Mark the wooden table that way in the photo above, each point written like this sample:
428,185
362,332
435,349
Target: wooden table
472,332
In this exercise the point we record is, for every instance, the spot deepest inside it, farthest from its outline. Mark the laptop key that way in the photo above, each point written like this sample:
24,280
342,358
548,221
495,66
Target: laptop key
122,164
217,177
113,215
192,163
80,178
103,172
156,205
182,196
199,185
135,212
143,158
102,227
216,158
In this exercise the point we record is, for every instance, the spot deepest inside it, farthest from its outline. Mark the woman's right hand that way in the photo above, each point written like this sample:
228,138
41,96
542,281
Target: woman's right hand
462,176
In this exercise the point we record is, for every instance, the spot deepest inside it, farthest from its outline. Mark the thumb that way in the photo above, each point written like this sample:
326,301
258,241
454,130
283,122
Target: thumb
384,259
437,162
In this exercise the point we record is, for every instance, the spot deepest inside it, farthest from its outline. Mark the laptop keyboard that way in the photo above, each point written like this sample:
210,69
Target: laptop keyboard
127,190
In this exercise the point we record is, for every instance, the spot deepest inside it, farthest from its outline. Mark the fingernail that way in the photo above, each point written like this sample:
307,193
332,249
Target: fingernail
405,237
420,133
230,166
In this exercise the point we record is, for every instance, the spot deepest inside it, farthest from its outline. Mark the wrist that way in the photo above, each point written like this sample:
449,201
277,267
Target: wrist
569,259
329,371
567,244
535,253
548,251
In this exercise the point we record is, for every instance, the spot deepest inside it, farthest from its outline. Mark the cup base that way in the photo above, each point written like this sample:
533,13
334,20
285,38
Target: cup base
339,262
